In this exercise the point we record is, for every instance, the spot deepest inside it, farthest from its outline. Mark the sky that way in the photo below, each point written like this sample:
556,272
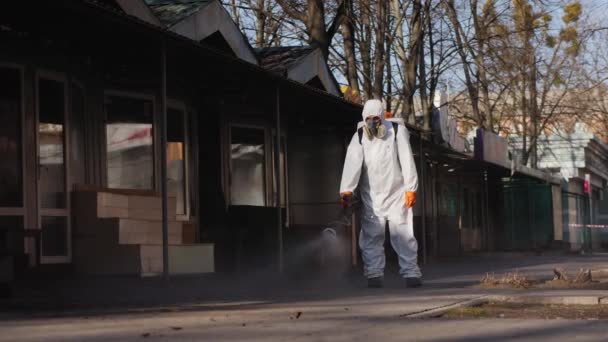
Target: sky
596,10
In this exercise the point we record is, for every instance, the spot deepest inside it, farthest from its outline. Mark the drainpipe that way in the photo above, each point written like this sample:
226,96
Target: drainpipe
486,210
277,176
163,158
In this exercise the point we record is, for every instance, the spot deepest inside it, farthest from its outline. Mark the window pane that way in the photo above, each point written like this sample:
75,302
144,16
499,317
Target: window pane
51,97
466,209
448,199
247,167
11,234
11,180
130,143
54,239
176,142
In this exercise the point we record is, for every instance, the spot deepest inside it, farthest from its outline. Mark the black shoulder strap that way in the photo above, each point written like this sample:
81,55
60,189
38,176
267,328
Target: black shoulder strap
360,132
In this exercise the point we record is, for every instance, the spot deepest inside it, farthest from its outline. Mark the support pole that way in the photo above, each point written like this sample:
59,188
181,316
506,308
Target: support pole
277,172
422,187
486,210
587,230
353,239
163,158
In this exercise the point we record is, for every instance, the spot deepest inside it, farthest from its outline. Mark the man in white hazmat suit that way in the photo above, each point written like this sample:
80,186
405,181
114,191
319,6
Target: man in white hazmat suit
379,162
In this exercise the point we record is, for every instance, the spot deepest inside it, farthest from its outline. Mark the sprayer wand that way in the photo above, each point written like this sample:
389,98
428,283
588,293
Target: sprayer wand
346,220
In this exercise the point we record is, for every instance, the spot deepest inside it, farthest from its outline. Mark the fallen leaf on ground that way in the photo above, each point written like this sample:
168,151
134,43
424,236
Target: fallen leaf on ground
298,314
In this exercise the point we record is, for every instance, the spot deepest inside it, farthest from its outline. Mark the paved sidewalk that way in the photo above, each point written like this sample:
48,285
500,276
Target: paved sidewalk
263,308
376,316
108,293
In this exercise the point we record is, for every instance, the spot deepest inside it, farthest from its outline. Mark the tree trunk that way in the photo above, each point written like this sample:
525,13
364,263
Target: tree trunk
426,102
408,57
400,53
415,41
481,34
348,31
235,14
314,19
273,26
379,58
315,22
365,47
534,115
460,45
427,91
260,15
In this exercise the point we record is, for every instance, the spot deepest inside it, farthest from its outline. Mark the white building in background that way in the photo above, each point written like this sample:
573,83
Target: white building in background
444,126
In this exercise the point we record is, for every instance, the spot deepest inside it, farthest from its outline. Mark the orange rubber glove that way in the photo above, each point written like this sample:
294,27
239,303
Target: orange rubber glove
345,198
410,199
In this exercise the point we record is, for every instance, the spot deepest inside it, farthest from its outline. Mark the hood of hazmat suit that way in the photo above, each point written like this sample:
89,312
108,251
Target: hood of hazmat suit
374,108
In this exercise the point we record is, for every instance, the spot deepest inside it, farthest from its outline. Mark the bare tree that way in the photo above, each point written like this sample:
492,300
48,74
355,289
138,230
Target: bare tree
473,51
408,50
262,21
313,14
517,73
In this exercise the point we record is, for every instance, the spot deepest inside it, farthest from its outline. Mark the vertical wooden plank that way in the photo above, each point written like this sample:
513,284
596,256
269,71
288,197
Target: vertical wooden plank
162,128
423,198
277,171
95,132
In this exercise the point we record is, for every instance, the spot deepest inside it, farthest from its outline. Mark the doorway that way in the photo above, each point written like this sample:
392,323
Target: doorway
12,168
52,170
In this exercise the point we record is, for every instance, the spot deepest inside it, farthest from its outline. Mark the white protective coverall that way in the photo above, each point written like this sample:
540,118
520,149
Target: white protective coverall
384,170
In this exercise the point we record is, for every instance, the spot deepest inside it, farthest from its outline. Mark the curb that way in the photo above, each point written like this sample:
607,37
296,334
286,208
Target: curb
599,273
552,300
436,312
542,300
